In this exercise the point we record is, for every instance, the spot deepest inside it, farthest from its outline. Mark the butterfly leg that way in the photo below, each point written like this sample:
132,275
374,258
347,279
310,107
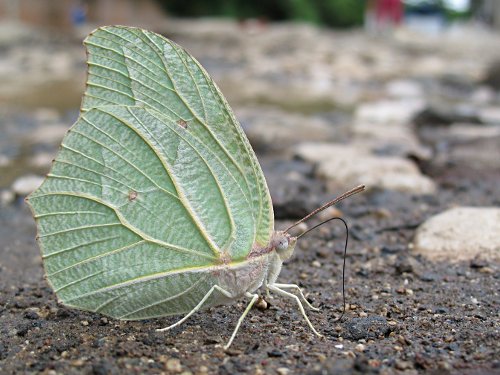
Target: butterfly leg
198,306
240,320
276,289
264,284
296,287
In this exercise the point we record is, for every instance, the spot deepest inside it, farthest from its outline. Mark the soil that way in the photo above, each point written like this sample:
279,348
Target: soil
405,314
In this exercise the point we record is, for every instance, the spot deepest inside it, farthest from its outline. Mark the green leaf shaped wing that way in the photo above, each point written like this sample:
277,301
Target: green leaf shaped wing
153,185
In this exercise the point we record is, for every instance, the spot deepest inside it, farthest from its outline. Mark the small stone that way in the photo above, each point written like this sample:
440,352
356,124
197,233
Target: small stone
398,348
487,270
362,314
7,197
46,115
360,348
490,115
443,365
275,353
84,323
174,365
392,323
371,327
203,369
316,264
339,346
329,213
26,184
49,134
283,371
299,229
262,304
403,365
42,160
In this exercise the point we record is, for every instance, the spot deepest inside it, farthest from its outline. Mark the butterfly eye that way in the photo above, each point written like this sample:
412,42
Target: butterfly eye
282,244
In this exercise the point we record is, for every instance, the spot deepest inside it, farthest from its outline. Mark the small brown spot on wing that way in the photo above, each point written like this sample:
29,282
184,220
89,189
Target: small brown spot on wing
132,195
182,123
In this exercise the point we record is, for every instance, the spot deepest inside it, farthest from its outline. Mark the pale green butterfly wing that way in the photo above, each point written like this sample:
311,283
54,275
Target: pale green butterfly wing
145,197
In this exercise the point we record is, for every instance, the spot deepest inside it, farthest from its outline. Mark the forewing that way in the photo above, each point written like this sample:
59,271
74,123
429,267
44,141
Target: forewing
133,67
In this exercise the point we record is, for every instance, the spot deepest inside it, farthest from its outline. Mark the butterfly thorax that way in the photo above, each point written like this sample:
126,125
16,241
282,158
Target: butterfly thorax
261,267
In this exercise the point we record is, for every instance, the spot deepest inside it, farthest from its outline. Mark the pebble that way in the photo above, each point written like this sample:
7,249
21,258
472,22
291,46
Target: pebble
360,348
316,264
283,371
7,197
403,365
490,115
460,234
366,328
261,304
174,365
26,184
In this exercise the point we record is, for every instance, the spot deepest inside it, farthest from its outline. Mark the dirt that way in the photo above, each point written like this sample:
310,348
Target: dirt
405,314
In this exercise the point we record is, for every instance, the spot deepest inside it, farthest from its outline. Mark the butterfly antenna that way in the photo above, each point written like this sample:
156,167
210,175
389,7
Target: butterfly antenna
347,194
345,255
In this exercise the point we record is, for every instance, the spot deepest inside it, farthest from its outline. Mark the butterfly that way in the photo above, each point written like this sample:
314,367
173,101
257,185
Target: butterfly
156,204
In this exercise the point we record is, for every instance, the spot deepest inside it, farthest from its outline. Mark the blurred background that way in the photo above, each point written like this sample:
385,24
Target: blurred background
363,75
368,77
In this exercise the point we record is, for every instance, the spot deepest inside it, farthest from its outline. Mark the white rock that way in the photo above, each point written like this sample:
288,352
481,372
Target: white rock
4,160
398,139
52,133
483,95
6,197
404,89
42,160
463,132
275,129
490,115
460,234
389,111
347,166
26,184
46,115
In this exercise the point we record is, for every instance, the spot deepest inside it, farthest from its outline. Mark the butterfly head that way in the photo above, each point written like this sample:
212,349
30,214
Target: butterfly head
284,244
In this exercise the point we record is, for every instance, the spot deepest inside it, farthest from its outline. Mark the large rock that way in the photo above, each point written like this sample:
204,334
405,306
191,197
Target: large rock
460,234
347,165
272,129
390,139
